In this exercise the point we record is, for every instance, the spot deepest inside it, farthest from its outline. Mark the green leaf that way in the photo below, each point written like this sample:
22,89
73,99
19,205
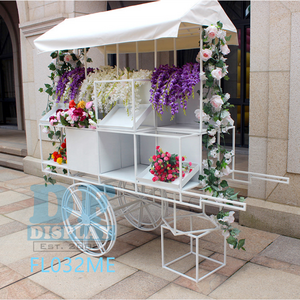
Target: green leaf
227,38
58,133
53,143
63,121
220,24
47,85
65,171
224,184
89,60
241,243
53,54
52,67
50,135
231,240
41,90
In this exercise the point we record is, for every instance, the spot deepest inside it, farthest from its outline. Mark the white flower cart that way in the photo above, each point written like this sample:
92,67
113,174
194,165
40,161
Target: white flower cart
116,154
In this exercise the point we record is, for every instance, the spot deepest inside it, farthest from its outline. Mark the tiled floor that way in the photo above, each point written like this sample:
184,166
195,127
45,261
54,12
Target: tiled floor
268,269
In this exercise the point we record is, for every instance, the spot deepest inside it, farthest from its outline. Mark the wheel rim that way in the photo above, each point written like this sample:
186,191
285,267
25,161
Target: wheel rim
142,213
89,219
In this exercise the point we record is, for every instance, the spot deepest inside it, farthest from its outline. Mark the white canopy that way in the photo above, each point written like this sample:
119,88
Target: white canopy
161,20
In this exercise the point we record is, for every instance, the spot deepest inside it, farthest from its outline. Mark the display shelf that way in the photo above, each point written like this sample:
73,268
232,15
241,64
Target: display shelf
54,164
119,118
124,174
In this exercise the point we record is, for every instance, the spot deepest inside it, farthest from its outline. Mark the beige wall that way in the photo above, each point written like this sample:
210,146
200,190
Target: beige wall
36,17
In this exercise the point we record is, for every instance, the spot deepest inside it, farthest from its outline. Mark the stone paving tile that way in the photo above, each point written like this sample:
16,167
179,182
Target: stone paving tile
137,237
2,189
11,227
4,220
232,264
8,276
256,241
258,282
285,249
205,286
122,229
27,266
174,291
119,249
276,264
25,181
9,174
27,213
75,285
140,285
48,295
148,258
179,238
20,245
11,197
23,289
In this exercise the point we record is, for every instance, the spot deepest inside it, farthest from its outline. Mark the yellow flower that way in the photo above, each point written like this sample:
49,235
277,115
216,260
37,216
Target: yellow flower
81,104
52,156
59,160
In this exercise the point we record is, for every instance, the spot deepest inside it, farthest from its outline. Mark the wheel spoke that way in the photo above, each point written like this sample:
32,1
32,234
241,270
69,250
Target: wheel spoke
73,212
72,229
96,239
77,201
101,228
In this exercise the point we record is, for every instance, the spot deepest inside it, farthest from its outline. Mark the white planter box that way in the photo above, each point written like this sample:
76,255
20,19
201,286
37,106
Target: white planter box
82,150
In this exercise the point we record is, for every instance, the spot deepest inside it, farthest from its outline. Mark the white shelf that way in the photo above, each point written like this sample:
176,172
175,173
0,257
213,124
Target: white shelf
118,117
124,174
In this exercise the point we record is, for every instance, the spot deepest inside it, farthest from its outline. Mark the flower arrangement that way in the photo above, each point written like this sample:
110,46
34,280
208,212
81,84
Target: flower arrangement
108,93
81,115
62,61
165,166
59,156
68,86
171,87
215,115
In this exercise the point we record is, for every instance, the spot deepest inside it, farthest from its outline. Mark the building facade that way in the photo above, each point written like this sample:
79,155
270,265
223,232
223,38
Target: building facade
265,92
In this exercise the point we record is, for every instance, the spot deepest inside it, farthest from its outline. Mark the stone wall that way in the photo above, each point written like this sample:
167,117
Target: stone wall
274,113
36,17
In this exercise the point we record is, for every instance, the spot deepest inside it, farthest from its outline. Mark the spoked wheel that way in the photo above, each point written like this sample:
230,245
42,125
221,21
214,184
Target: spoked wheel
89,219
141,212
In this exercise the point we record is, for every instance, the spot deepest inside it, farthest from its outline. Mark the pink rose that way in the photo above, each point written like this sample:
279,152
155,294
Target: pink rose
160,161
206,54
92,127
224,49
190,164
166,158
217,102
169,176
217,73
211,31
68,58
155,178
89,105
169,154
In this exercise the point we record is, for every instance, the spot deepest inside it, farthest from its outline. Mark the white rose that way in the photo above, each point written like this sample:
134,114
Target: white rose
212,132
217,102
46,130
198,57
213,153
197,113
224,49
211,141
217,73
226,171
205,163
205,117
211,31
227,96
205,54
217,173
221,35
203,76
226,234
227,121
229,219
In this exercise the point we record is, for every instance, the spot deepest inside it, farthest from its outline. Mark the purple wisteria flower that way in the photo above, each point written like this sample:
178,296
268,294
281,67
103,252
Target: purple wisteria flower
76,78
172,86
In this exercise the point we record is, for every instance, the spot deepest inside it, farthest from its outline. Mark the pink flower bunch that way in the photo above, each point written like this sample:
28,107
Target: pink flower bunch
81,115
165,166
